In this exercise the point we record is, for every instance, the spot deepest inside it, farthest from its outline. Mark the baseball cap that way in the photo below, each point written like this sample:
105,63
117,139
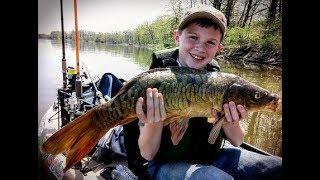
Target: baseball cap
204,11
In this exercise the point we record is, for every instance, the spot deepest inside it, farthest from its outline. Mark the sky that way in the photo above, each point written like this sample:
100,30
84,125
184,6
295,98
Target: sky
99,15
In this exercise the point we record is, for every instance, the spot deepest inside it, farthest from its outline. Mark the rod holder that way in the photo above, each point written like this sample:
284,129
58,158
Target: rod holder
78,87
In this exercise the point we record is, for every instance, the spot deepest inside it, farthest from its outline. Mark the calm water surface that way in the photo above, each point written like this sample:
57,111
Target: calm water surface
263,129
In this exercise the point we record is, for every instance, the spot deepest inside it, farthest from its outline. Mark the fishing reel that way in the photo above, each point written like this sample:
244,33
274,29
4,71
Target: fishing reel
71,77
73,106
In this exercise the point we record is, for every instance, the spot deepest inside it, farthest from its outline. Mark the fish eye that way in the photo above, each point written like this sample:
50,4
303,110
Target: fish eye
257,95
266,93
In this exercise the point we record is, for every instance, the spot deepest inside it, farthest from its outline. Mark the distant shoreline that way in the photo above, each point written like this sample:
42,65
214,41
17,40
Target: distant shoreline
245,56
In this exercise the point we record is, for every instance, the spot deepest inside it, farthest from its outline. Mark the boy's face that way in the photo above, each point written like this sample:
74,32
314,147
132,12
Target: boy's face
197,45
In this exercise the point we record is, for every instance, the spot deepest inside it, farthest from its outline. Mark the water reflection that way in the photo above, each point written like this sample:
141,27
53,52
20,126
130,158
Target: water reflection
263,129
140,55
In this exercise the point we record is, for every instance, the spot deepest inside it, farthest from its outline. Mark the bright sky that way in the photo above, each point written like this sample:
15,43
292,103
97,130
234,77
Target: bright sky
99,15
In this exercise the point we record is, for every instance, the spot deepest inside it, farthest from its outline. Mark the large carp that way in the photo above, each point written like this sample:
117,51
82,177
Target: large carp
187,93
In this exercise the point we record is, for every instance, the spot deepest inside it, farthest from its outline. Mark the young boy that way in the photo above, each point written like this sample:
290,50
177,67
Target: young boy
182,151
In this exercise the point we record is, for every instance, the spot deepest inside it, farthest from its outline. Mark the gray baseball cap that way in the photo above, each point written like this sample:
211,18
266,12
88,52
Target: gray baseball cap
204,11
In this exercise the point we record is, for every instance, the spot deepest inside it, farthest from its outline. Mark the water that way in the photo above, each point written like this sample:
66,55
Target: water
263,130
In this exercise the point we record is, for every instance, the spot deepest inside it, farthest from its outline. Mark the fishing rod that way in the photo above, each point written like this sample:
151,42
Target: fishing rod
98,93
78,85
64,65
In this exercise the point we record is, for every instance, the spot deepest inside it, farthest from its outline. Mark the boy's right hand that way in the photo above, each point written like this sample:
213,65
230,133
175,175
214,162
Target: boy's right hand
155,107
152,123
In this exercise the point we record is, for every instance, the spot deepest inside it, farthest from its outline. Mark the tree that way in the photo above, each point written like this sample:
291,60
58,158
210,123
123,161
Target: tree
228,11
243,13
150,31
216,3
246,17
251,8
280,9
272,11
176,9
55,35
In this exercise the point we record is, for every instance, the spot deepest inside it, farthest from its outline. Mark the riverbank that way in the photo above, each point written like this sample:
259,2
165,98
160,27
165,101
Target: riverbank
246,56
251,56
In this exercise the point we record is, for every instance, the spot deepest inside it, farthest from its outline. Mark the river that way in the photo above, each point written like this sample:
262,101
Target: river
263,129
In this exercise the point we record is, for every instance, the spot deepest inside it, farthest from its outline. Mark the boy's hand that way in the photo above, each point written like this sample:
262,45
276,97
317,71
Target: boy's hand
234,113
155,107
233,129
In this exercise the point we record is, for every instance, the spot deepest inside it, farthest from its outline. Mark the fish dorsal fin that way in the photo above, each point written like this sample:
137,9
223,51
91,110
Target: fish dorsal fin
186,70
134,80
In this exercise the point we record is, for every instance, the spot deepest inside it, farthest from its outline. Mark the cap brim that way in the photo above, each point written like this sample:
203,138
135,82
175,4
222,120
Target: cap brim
206,15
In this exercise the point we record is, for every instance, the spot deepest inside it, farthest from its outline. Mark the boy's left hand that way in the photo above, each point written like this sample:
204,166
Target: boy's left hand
234,113
233,129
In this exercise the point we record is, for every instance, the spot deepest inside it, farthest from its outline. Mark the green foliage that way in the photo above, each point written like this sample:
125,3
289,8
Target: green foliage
164,27
255,35
156,35
55,35
272,35
271,41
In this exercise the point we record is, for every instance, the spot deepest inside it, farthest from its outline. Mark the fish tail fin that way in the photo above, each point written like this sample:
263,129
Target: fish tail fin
76,139
215,131
82,147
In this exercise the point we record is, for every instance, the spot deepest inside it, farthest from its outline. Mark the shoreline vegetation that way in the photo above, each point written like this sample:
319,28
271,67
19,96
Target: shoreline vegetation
254,33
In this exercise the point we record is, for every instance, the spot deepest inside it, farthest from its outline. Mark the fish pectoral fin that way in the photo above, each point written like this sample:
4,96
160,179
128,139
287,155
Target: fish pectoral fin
211,120
175,118
215,131
182,121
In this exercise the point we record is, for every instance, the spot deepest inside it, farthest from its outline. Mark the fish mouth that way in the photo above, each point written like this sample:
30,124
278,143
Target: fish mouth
274,105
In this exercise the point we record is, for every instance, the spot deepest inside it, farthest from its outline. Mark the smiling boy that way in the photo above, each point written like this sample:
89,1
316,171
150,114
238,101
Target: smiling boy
182,151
